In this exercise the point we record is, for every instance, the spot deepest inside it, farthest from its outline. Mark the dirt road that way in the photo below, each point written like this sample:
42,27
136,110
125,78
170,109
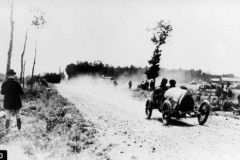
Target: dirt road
125,133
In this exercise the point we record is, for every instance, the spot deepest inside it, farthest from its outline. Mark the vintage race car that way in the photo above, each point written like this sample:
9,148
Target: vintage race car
178,103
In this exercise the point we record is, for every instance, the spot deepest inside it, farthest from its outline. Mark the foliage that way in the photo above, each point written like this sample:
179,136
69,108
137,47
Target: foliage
39,20
48,77
52,77
98,67
181,75
153,71
39,17
160,34
52,126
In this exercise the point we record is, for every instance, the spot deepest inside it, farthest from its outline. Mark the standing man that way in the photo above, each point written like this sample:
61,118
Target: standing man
146,85
12,90
130,84
115,83
151,85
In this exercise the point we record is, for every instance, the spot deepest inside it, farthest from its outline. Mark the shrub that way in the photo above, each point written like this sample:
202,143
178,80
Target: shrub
56,121
52,77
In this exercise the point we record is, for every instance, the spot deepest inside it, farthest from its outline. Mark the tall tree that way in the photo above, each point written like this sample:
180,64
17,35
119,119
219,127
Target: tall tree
39,20
23,73
11,38
34,62
160,34
24,48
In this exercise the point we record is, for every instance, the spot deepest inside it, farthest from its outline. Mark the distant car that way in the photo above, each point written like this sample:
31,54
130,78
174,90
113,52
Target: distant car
178,103
193,82
206,85
111,78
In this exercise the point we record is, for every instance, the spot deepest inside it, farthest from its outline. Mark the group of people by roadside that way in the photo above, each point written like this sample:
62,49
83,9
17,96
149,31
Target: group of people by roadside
224,92
147,85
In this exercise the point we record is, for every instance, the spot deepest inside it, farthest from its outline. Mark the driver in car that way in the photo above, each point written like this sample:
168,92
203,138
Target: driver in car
172,83
159,91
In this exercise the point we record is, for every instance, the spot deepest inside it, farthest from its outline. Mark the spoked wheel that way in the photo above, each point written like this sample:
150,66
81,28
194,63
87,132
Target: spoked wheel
166,115
203,113
148,109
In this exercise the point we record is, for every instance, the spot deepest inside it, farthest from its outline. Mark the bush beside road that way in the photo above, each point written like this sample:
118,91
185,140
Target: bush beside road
51,127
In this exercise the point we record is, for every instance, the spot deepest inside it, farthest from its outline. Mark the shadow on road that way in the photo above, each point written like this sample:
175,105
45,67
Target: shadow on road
174,122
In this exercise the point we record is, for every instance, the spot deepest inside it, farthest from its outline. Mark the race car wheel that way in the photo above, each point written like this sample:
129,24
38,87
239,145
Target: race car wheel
148,109
203,113
166,115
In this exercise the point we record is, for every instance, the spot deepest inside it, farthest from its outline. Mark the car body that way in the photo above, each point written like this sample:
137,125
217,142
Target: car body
178,103
193,82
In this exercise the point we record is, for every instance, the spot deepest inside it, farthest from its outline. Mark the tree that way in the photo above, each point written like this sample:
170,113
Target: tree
11,38
39,20
23,73
70,70
160,34
22,65
34,62
39,17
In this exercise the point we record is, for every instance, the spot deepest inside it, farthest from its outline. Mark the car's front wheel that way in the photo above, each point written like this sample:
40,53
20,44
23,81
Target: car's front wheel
166,114
203,113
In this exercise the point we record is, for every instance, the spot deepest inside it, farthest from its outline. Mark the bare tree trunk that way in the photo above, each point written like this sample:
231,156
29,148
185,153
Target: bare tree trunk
23,74
24,48
34,62
154,82
11,39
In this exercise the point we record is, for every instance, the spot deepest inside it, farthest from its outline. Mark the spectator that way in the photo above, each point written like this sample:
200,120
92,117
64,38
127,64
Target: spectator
228,86
146,85
130,84
218,91
12,90
115,83
224,92
142,85
152,85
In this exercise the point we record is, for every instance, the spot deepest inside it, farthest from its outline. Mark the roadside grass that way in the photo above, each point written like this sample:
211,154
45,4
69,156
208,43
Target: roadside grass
51,127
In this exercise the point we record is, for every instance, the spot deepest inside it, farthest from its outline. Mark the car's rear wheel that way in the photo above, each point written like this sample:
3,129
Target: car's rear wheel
203,113
166,115
148,109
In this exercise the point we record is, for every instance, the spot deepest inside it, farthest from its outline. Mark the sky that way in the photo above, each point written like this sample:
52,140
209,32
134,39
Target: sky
206,34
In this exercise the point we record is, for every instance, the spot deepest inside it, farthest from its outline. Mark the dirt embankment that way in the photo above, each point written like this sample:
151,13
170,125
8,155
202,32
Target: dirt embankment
51,128
123,132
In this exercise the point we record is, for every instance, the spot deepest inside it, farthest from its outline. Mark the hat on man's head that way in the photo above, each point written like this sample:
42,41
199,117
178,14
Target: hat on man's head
11,72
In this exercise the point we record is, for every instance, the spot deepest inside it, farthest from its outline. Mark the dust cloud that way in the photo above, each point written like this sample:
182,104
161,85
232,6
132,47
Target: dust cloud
103,92
179,77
